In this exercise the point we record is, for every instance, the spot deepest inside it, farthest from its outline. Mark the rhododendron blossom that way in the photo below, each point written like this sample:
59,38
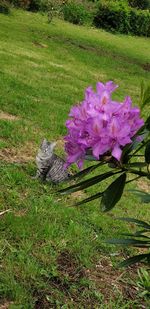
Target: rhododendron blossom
101,125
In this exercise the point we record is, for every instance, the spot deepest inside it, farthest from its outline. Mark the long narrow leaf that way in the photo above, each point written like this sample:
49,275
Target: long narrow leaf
142,132
113,193
86,171
138,235
145,225
87,183
147,153
141,145
89,199
134,259
145,197
147,123
141,232
130,147
136,144
129,242
136,164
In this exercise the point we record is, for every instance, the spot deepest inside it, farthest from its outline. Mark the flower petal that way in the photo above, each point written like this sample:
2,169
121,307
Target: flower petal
116,152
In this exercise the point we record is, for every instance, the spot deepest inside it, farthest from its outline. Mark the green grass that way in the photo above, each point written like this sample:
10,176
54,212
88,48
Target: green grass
49,251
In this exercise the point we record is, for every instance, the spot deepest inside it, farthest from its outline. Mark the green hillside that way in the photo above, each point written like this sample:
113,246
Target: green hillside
53,255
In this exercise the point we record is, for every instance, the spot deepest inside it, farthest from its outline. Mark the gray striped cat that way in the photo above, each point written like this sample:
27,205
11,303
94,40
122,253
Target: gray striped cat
50,167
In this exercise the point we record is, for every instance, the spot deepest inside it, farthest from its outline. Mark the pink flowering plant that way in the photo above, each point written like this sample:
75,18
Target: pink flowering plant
101,125
108,132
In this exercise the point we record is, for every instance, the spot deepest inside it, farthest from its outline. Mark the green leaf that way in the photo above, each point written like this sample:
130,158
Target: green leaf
87,183
86,171
145,197
147,123
113,193
136,164
134,259
89,199
138,222
138,235
143,133
129,242
130,147
147,153
141,232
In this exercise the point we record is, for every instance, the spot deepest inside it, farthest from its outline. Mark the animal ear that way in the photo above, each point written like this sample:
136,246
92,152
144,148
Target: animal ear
44,142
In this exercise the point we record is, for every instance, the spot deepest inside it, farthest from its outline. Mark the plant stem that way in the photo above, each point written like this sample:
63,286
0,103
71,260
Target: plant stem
133,179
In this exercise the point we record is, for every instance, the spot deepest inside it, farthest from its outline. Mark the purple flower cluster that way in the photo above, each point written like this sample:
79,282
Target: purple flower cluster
100,124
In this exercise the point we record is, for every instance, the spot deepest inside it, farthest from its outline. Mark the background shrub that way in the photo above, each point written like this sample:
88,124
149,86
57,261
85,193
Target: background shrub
54,8
4,7
124,16
140,4
36,5
32,5
77,13
140,22
24,4
114,16
119,17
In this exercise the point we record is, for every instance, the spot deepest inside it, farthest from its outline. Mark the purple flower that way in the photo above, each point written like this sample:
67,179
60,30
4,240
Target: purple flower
100,124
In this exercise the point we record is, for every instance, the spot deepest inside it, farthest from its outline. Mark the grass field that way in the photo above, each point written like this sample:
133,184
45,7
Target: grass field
53,255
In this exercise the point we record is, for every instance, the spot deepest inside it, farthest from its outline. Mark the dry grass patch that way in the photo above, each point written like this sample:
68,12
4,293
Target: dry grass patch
143,185
20,213
60,142
68,266
19,155
112,282
40,45
6,116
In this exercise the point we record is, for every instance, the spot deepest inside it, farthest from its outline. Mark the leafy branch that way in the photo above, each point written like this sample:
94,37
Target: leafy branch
121,170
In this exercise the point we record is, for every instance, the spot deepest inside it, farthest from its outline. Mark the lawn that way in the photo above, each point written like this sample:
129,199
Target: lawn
53,255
